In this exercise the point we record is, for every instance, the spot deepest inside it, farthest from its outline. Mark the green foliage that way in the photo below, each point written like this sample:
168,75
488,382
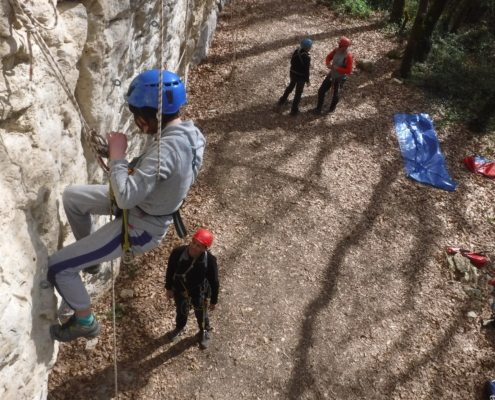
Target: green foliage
395,54
357,8
459,74
119,313
384,5
132,271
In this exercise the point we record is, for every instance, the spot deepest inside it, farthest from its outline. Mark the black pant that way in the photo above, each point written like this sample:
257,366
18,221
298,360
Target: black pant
182,311
295,81
325,86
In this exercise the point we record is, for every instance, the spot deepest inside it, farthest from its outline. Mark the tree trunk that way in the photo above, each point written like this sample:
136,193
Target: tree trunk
417,32
397,11
432,16
476,12
481,122
459,18
451,11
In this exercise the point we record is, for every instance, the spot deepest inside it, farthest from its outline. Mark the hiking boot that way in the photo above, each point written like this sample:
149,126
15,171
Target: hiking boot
315,111
205,340
93,270
72,330
174,335
295,113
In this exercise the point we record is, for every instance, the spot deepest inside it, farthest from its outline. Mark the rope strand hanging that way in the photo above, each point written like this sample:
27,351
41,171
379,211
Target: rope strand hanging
160,92
233,72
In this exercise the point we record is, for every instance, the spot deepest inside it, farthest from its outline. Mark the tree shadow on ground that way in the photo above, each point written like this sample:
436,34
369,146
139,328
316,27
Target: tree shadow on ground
133,372
274,45
303,378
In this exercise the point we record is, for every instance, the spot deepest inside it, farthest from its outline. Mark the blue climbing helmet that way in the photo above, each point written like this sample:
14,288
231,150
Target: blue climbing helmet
143,91
306,42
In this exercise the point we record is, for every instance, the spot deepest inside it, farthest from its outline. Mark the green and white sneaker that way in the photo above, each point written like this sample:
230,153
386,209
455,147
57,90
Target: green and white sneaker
72,330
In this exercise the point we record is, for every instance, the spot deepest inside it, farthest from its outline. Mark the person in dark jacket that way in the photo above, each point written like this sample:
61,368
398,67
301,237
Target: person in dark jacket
339,62
192,281
299,75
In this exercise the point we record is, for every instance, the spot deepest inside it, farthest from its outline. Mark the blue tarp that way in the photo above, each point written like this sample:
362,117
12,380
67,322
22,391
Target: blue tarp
420,149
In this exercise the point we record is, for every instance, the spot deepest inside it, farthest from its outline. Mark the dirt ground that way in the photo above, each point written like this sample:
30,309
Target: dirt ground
334,283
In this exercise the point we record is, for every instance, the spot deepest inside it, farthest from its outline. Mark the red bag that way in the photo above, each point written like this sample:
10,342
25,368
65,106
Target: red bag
480,166
476,258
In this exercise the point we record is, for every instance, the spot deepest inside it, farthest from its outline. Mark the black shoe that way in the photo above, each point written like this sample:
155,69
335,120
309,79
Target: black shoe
295,113
205,340
315,111
93,270
72,330
330,112
282,102
174,335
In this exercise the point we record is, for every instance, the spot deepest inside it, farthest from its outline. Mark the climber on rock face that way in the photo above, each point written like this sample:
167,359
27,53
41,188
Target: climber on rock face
149,202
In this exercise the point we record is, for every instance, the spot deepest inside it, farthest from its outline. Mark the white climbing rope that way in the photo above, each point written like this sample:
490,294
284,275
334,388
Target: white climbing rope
160,91
111,199
233,71
29,13
25,15
114,323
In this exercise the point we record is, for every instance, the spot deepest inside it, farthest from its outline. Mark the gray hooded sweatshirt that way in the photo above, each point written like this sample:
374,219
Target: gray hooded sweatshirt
151,204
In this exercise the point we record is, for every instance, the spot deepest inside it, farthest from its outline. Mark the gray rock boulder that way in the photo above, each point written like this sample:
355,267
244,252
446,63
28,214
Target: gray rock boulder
366,65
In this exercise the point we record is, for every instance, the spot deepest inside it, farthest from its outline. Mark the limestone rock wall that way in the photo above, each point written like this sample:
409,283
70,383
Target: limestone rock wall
100,45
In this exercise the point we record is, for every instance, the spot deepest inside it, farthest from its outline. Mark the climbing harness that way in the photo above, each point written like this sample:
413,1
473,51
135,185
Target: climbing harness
298,54
127,255
204,290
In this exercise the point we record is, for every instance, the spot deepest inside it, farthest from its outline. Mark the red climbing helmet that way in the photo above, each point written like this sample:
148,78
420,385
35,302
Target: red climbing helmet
204,236
344,42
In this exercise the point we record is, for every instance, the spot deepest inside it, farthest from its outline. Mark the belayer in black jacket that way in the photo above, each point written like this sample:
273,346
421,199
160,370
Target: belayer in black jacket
299,75
192,281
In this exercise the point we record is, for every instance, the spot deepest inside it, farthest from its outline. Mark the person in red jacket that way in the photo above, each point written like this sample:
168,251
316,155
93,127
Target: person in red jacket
339,62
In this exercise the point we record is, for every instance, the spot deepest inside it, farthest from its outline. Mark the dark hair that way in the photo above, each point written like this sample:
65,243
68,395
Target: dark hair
149,113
